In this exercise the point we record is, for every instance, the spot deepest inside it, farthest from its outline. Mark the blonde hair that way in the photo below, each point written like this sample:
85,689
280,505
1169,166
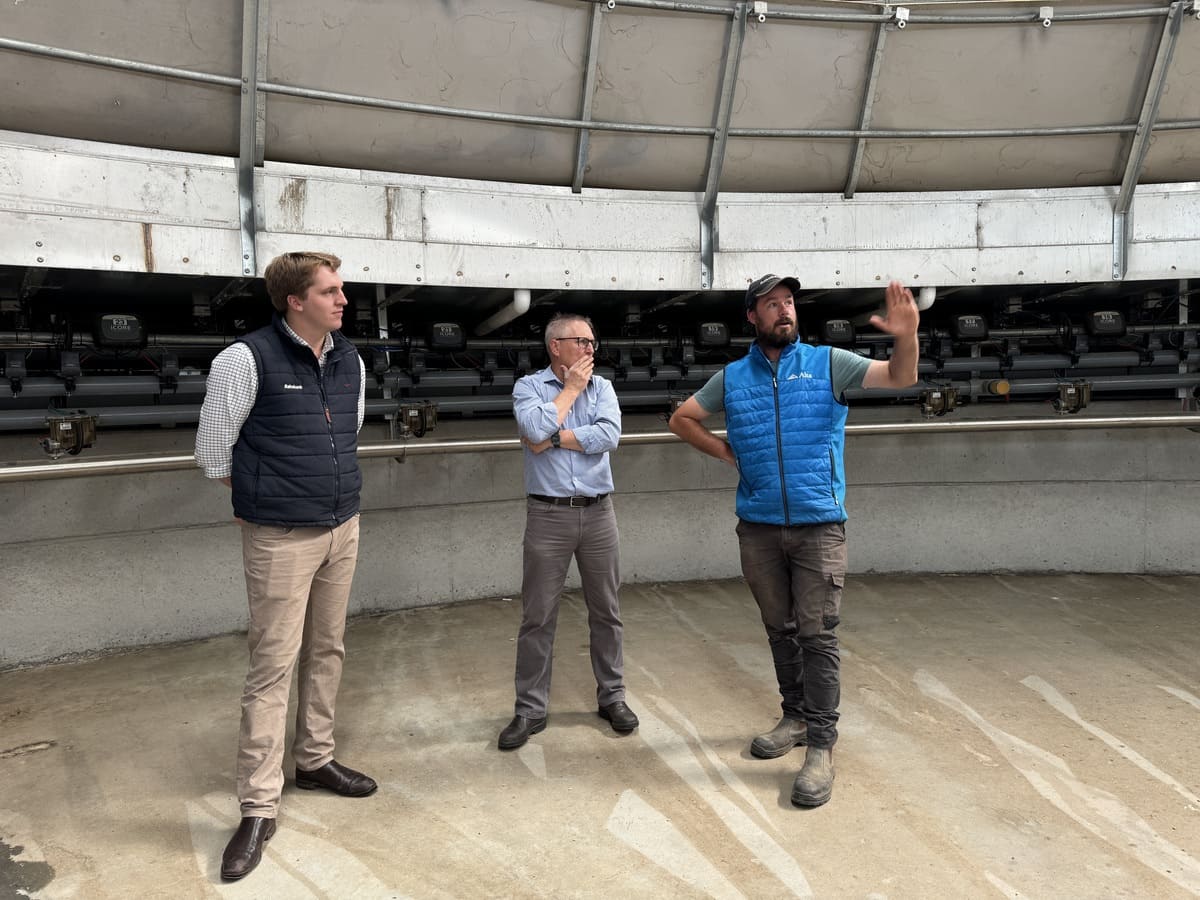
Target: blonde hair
294,273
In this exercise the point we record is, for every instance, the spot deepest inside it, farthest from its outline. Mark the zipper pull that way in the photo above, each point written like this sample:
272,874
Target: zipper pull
327,416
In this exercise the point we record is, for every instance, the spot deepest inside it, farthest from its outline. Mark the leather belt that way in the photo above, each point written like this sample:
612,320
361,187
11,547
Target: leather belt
573,502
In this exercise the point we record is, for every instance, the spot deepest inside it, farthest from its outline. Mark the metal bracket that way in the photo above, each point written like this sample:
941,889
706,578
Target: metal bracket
1141,139
590,67
251,125
716,153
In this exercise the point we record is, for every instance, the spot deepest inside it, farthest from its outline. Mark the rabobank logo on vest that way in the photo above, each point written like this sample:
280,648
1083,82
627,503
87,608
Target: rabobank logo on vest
293,387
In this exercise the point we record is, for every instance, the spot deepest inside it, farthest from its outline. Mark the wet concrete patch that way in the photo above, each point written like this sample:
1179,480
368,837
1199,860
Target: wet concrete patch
21,878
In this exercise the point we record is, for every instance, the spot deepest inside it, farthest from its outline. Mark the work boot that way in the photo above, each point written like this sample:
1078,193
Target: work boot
779,740
814,784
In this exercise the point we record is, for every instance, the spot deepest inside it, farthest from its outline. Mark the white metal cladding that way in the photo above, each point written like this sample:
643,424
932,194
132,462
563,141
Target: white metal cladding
655,67
827,98
176,213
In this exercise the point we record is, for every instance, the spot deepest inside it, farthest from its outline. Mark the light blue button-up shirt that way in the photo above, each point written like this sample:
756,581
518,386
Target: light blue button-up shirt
594,419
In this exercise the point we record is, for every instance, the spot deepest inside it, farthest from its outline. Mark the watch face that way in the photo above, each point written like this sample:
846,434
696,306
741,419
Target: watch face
555,440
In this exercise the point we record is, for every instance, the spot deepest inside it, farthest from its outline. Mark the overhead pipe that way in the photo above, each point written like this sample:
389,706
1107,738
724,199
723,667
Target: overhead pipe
397,379
107,386
522,298
656,394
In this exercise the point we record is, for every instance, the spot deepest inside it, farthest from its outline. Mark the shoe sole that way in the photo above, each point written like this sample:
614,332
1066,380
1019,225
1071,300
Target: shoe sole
621,730
536,729
317,786
811,802
758,752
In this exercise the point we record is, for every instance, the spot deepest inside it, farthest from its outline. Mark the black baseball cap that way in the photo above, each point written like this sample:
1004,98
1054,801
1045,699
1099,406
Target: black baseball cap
766,284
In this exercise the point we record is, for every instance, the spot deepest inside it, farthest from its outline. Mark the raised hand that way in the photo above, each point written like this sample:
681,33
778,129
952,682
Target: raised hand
902,316
576,377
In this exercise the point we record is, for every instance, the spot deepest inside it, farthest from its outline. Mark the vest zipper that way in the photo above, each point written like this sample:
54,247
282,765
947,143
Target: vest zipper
337,477
832,479
787,518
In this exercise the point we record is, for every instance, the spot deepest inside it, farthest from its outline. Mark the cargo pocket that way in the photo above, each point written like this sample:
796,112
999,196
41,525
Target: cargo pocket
831,611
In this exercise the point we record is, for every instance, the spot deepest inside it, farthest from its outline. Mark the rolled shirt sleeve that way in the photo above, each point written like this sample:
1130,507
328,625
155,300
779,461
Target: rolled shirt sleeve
536,419
603,435
595,421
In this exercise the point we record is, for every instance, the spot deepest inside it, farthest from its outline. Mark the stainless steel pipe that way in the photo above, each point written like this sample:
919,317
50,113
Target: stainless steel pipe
422,447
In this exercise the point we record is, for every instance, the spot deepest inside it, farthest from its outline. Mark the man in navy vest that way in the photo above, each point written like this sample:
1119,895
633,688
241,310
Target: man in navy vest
279,426
785,416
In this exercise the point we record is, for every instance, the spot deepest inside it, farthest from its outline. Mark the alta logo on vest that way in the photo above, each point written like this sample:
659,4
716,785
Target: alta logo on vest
794,376
293,387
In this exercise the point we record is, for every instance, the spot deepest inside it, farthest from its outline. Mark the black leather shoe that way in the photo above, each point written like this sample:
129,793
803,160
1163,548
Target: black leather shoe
518,731
245,849
335,777
622,717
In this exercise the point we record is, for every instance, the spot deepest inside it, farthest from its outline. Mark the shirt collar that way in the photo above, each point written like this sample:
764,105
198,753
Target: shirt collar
325,348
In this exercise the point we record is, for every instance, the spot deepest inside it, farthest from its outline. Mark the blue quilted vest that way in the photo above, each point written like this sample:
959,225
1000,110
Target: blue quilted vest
296,459
787,431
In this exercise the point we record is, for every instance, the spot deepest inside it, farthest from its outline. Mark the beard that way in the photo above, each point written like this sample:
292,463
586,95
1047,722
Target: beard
778,337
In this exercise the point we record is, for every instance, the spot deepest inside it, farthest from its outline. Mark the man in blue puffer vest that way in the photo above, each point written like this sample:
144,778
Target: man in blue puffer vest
785,416
279,426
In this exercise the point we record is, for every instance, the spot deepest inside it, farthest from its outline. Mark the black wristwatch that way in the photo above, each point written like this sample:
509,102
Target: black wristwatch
556,439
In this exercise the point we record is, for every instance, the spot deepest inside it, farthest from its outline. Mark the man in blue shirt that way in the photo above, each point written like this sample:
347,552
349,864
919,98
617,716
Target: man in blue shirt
569,421
785,417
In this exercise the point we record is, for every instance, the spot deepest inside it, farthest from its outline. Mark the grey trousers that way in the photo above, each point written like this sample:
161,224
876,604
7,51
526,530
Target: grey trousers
796,575
553,534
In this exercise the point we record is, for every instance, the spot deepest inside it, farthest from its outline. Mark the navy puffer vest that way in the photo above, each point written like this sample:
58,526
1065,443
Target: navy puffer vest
296,460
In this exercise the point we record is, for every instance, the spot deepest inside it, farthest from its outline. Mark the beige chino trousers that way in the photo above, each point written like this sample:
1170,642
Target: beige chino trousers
298,586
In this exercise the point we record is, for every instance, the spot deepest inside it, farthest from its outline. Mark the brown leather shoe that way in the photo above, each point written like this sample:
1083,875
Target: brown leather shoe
333,776
245,849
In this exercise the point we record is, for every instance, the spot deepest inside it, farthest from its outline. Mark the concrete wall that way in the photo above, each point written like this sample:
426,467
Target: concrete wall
100,563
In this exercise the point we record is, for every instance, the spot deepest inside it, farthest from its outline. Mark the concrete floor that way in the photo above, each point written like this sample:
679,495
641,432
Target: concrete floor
1008,736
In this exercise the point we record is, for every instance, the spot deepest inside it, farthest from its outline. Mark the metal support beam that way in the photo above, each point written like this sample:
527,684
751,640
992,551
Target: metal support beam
235,288
251,126
548,297
32,281
716,151
397,297
677,300
1141,137
1182,315
269,87
868,101
590,68
814,15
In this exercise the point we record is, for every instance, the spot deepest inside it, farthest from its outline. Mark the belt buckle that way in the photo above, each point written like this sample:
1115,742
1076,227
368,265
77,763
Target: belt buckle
583,501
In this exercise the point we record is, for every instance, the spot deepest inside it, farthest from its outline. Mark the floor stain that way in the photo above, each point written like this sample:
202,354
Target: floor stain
26,748
20,878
